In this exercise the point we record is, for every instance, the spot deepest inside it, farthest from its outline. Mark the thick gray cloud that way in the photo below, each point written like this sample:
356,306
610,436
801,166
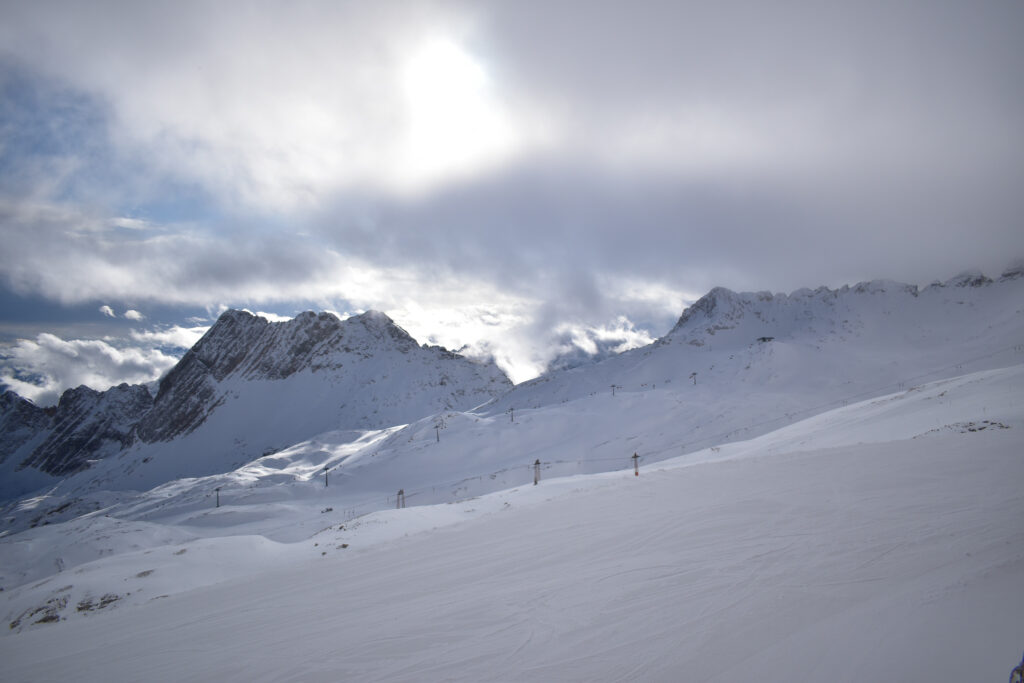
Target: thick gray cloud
751,145
563,229
71,253
508,175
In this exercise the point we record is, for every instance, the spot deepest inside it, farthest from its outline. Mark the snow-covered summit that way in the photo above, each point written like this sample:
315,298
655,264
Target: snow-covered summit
842,312
806,347
320,347
247,387
243,343
244,346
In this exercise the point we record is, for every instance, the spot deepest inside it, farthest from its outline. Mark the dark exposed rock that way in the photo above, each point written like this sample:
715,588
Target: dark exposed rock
88,424
240,348
21,422
972,278
1013,271
248,347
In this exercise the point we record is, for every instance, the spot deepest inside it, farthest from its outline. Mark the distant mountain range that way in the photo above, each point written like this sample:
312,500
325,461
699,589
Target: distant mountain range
735,365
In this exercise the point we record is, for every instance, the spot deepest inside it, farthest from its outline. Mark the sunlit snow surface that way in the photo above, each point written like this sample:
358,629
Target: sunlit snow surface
883,540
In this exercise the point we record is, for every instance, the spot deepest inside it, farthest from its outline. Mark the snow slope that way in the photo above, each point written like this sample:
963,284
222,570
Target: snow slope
883,540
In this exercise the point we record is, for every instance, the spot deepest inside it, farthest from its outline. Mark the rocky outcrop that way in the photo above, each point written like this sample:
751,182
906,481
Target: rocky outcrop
21,422
85,425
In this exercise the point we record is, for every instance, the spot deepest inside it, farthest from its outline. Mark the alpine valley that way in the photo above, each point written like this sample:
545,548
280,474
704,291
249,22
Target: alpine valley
826,487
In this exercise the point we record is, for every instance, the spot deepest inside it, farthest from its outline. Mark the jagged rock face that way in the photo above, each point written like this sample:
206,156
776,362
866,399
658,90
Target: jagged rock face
21,421
86,425
266,385
239,342
245,348
1013,271
971,278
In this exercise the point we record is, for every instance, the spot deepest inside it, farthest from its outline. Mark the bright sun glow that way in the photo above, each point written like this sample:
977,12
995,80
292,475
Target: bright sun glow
455,125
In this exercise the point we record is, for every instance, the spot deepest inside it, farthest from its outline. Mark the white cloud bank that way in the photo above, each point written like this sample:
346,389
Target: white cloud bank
56,364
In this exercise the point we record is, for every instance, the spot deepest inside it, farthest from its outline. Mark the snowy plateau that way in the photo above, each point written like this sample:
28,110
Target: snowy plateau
827,488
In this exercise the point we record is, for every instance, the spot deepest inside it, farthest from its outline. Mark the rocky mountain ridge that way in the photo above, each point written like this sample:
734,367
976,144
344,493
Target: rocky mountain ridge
722,305
250,348
315,353
250,387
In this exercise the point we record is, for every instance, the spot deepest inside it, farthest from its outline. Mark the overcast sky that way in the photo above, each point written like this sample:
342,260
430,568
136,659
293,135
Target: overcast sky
520,178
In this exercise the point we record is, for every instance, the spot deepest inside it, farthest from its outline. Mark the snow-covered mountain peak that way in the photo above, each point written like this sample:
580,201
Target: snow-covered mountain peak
842,312
383,328
243,343
719,302
373,319
249,386
242,347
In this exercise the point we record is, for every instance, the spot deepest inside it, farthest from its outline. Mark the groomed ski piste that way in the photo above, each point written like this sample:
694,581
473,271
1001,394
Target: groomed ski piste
881,540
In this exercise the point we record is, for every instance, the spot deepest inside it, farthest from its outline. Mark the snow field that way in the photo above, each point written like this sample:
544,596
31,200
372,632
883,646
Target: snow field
881,541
